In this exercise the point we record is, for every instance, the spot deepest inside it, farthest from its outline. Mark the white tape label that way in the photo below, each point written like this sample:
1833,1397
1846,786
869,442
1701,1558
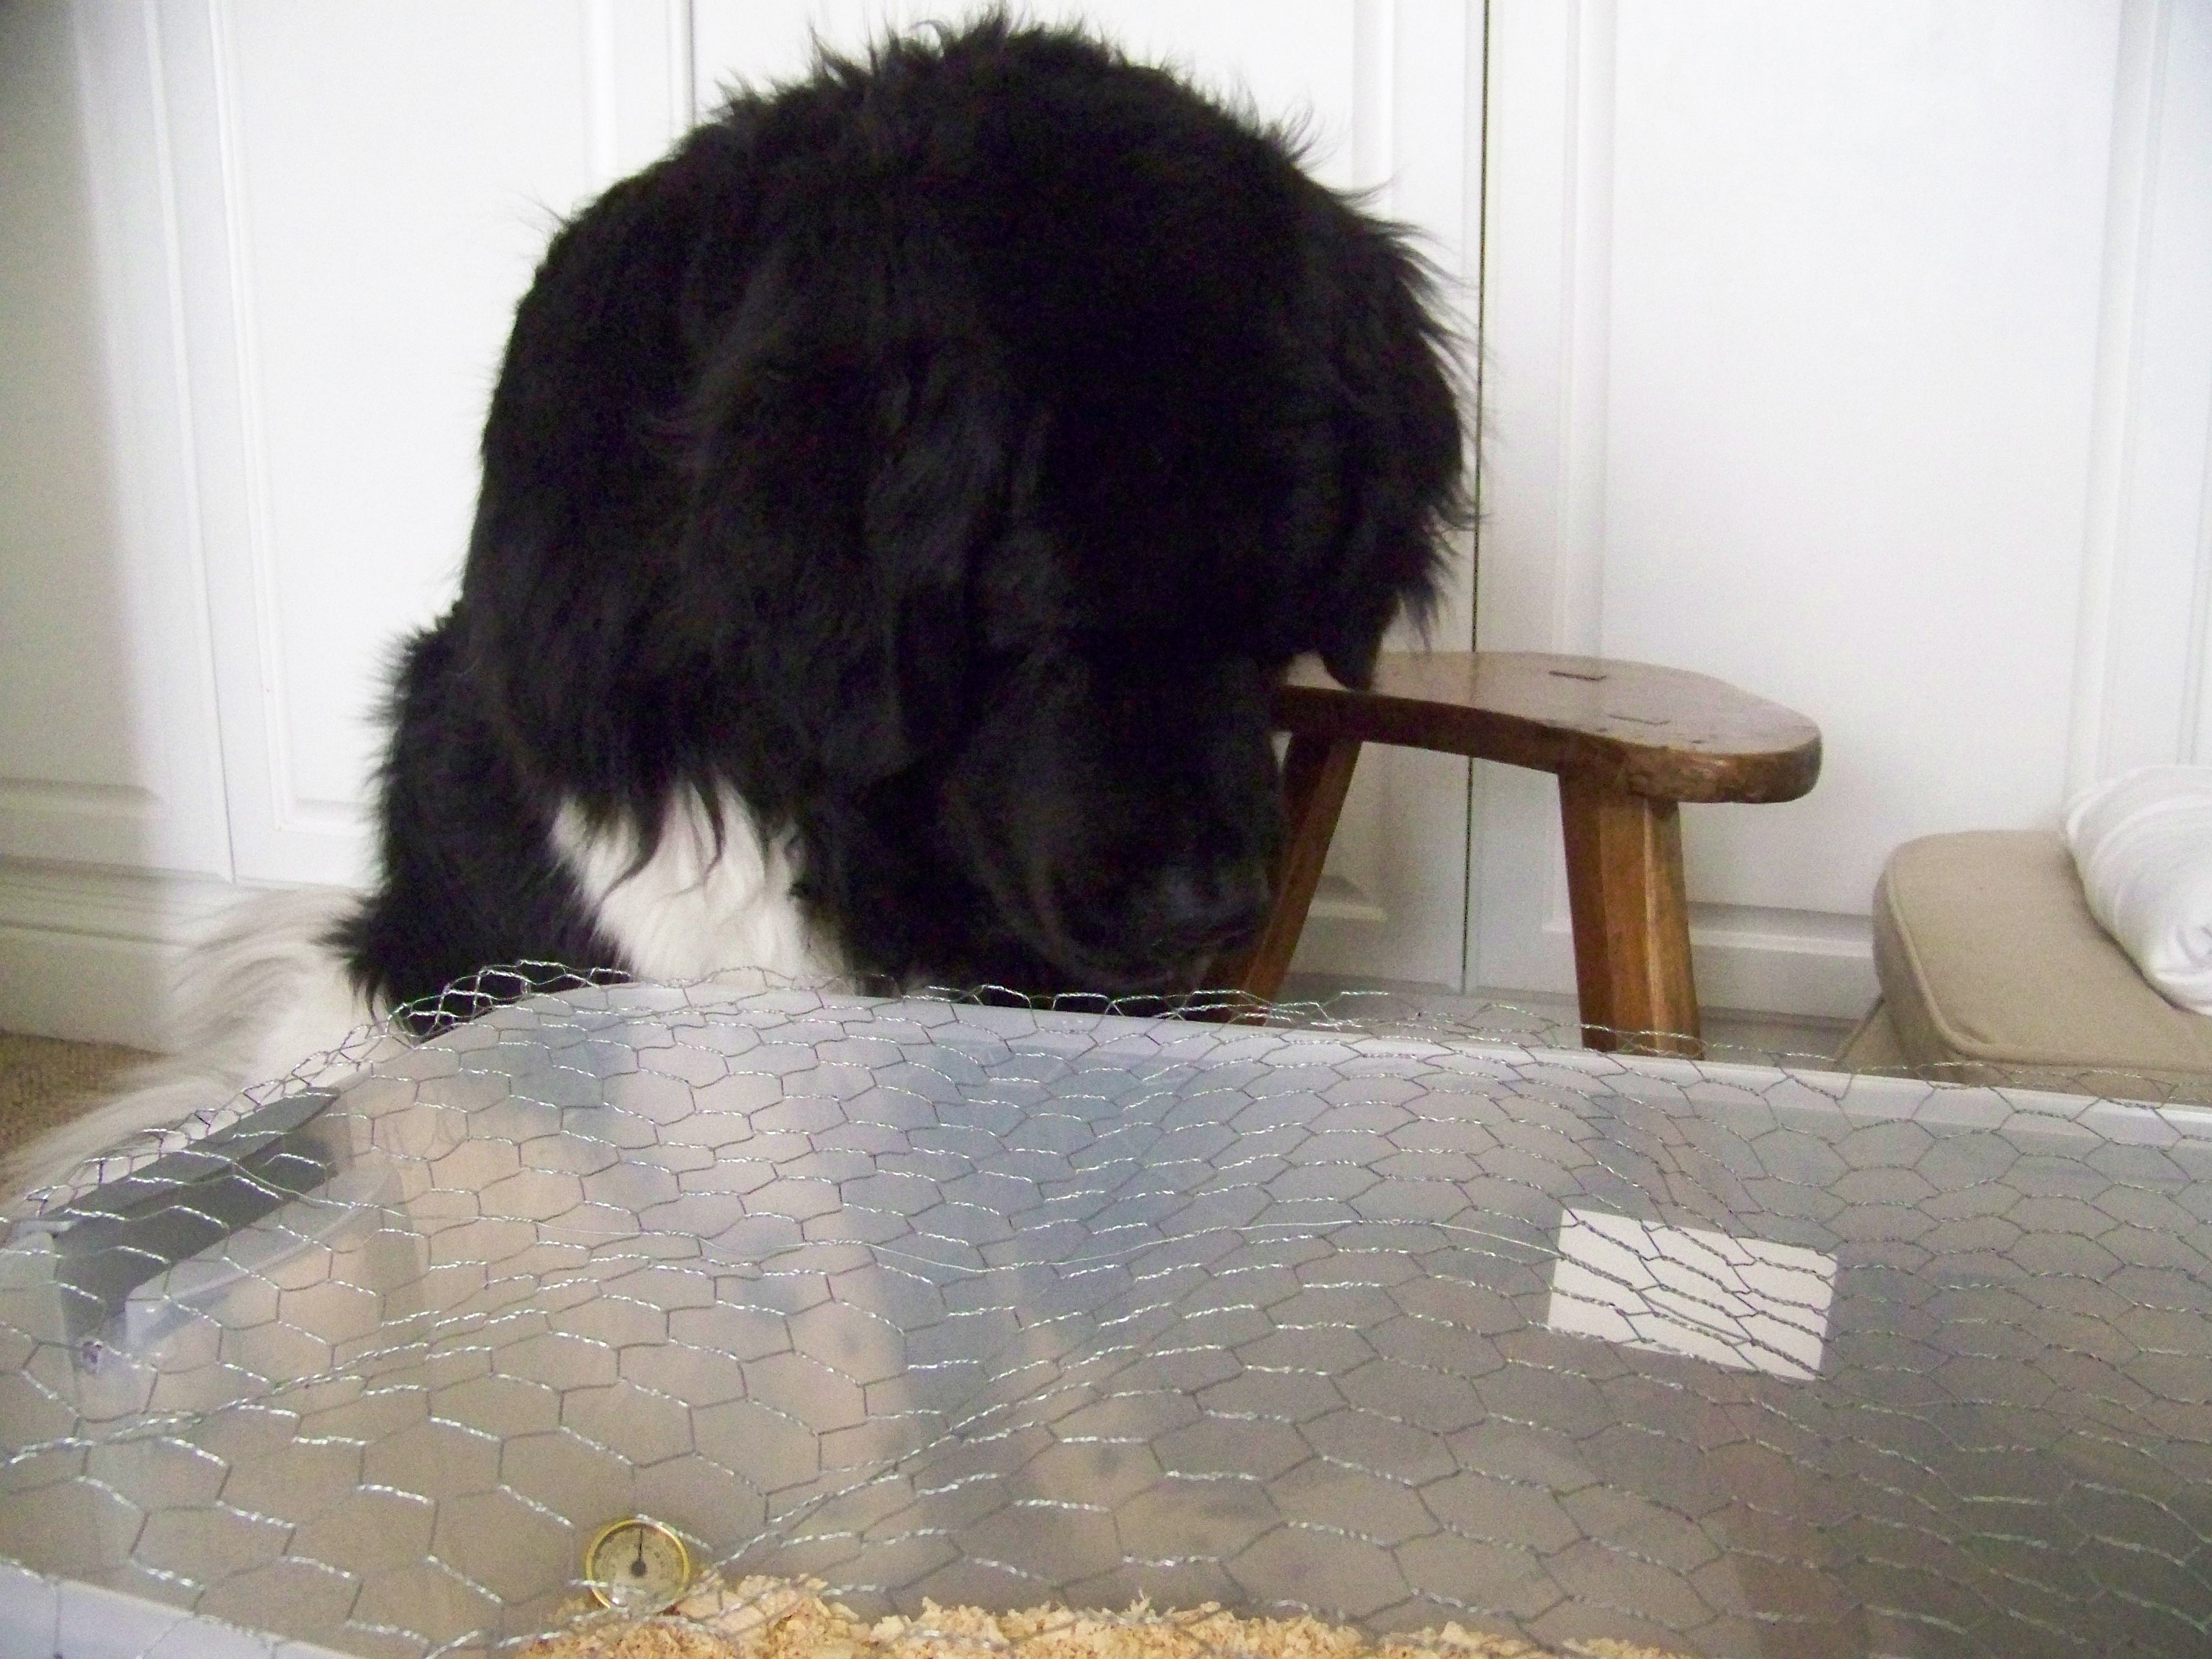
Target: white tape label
1743,1303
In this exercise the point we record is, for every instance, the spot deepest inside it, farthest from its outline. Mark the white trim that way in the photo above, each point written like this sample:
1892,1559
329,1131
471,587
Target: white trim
683,77
59,1615
1393,904
193,528
2196,704
1586,335
638,99
1747,958
273,831
1337,900
41,819
2182,277
1797,962
2143,30
631,60
287,811
1546,248
99,800
1585,363
602,96
1374,77
2140,687
109,903
90,954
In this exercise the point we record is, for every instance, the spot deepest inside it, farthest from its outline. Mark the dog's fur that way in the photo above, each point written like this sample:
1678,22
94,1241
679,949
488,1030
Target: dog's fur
898,504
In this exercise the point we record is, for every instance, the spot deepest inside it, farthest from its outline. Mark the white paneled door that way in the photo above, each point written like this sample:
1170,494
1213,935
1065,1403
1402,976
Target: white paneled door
1828,348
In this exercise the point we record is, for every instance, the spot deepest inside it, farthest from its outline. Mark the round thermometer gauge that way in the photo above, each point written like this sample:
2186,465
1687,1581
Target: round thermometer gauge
637,1566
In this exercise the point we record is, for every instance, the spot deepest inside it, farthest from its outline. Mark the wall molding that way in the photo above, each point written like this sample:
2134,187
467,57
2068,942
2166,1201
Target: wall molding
602,98
181,428
270,688
1578,621
1806,962
2182,276
101,801
682,72
638,84
2139,692
90,954
2196,734
1395,903
1373,105
39,819
2144,26
1546,197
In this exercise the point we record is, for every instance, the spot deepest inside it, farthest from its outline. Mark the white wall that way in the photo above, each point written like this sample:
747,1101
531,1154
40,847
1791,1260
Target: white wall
1856,355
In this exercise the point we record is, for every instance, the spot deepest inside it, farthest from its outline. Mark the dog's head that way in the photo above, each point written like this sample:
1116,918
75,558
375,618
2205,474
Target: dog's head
1052,411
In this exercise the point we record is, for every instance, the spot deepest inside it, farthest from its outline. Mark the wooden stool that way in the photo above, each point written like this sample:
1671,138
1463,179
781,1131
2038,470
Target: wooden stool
1627,742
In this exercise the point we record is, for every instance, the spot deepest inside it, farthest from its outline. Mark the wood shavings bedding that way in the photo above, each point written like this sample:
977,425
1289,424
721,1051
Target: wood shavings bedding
763,1618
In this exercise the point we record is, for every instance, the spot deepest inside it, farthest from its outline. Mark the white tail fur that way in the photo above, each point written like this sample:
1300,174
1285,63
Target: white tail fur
259,997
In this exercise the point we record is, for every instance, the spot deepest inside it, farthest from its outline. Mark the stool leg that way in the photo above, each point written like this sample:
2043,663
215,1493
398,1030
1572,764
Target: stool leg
1315,774
1631,918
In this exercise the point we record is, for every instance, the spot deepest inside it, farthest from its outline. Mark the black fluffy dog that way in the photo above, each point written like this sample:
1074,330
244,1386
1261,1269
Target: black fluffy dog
897,505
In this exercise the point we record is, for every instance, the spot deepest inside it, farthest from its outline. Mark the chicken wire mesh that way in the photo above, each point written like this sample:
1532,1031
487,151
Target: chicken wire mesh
987,1304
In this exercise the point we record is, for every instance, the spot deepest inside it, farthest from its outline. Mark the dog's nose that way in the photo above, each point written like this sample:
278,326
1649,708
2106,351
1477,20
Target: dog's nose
1208,908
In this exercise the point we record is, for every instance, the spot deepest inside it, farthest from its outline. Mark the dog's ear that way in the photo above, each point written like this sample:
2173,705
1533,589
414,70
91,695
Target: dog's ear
841,485
1400,448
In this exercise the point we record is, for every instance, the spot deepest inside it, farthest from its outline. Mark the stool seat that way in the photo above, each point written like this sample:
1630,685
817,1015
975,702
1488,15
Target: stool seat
1628,741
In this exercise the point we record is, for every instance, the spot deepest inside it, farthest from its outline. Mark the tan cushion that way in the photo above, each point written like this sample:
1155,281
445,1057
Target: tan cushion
1993,970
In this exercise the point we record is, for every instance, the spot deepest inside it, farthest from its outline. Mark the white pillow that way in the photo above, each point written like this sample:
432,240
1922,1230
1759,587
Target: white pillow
2143,844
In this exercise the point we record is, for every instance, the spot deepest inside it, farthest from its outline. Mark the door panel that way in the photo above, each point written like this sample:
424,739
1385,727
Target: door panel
363,193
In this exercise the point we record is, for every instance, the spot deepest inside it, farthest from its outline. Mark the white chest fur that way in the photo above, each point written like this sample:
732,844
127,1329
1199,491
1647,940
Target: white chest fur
700,904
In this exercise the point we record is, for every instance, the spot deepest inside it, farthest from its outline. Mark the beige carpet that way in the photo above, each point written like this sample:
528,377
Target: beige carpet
44,1081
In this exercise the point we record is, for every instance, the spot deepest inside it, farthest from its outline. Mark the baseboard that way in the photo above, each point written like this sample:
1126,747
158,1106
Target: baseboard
90,954
1799,964
1802,963
84,988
